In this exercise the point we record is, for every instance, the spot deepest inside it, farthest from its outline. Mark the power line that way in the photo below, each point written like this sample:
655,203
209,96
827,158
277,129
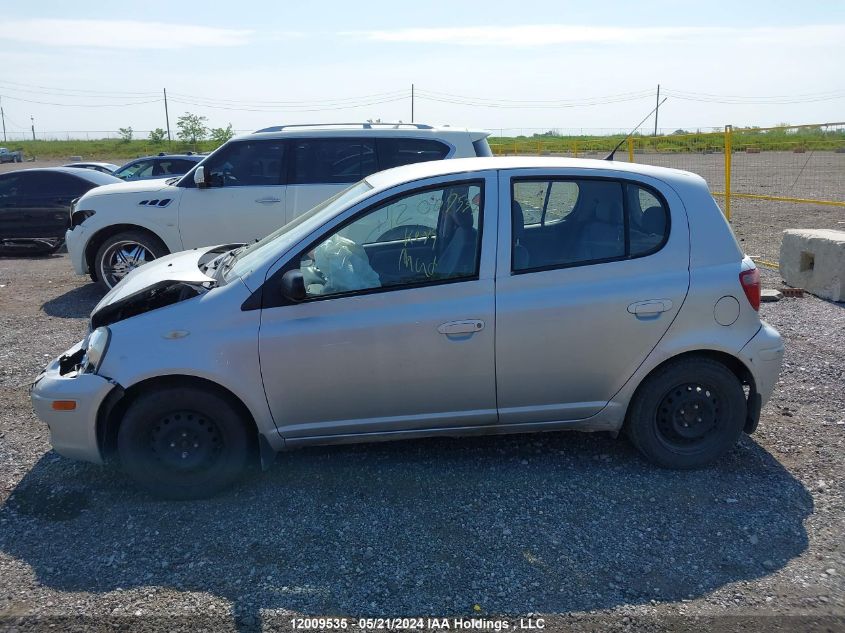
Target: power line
82,105
120,93
540,102
285,109
292,103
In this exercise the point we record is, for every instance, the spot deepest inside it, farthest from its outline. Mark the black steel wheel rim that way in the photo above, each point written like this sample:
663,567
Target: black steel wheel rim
688,416
185,441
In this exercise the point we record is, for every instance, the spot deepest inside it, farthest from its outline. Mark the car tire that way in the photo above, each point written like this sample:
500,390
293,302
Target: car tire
184,443
687,414
120,254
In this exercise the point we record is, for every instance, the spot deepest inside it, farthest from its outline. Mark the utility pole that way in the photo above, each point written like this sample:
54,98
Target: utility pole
657,109
166,115
412,103
32,118
3,116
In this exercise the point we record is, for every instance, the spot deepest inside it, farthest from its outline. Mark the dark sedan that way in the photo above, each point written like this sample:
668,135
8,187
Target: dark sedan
35,205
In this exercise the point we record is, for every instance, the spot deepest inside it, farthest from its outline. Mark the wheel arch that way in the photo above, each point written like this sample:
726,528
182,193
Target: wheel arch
118,401
734,364
105,233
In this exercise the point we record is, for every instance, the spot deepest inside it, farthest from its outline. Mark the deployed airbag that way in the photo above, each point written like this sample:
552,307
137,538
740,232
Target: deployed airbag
344,266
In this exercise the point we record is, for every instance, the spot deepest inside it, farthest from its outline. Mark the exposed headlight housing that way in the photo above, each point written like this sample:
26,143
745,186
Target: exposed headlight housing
78,217
95,347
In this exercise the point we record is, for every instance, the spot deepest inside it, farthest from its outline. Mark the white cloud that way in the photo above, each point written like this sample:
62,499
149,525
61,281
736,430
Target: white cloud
127,34
532,35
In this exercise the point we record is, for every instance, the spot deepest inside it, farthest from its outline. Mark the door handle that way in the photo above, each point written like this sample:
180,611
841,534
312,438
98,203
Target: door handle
268,200
650,307
461,327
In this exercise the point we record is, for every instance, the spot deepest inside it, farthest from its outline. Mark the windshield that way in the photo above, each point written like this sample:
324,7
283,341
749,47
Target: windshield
269,248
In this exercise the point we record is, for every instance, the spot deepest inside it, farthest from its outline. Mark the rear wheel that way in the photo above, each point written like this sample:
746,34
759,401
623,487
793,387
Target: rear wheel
183,442
120,254
687,414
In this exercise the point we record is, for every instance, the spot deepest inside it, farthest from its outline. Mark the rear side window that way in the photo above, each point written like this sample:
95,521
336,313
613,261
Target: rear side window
561,223
174,166
46,184
393,152
332,161
648,220
545,202
9,184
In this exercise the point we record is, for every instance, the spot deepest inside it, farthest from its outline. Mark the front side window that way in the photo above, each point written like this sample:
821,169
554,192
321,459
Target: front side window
558,223
332,161
429,235
246,164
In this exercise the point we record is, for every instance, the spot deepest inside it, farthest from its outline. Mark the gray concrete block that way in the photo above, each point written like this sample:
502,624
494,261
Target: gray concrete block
814,259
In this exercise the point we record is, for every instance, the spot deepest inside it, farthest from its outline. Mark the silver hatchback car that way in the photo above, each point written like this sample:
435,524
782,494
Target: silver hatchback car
475,296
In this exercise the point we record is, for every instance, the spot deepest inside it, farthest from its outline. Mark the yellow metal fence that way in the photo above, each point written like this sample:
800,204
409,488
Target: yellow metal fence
766,179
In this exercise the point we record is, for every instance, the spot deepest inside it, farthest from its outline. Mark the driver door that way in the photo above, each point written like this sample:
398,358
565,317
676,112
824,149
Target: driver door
396,333
244,199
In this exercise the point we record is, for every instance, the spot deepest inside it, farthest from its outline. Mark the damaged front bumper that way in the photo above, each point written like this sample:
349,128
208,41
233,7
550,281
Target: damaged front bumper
73,433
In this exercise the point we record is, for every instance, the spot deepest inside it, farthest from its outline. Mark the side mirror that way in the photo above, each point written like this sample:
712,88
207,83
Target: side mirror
199,177
293,285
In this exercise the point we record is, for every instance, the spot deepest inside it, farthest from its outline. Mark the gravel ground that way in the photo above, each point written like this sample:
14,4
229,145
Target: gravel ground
571,527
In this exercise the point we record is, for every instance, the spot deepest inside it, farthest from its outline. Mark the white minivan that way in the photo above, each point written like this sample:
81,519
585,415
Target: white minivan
476,296
246,189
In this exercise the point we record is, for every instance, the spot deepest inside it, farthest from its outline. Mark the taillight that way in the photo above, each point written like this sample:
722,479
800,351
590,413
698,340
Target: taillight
750,280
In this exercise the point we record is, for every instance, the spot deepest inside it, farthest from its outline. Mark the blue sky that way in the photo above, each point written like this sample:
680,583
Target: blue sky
565,65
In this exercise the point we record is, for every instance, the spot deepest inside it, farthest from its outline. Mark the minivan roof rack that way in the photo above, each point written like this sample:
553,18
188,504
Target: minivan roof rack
366,126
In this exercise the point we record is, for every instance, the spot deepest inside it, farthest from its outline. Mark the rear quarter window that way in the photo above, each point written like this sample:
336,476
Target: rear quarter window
394,152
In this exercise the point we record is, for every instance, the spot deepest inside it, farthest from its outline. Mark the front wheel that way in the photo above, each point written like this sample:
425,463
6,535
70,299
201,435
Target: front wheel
687,414
183,442
120,254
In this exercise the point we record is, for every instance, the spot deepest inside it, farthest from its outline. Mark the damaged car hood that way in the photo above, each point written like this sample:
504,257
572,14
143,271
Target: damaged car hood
162,282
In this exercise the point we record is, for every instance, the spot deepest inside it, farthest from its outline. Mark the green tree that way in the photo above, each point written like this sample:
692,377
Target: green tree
192,128
125,134
157,136
222,134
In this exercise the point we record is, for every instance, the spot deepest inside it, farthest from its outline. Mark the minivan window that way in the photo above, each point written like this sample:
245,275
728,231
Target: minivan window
246,164
332,161
569,222
393,152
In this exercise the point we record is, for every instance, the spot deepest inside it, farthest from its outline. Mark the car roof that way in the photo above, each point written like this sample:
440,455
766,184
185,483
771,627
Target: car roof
91,175
417,171
196,157
413,130
84,162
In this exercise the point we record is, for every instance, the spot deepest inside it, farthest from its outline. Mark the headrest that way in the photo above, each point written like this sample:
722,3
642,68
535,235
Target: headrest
608,212
518,219
654,221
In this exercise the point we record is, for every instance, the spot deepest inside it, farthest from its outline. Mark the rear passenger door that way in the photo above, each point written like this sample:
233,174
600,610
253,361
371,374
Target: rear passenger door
590,274
44,202
321,167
